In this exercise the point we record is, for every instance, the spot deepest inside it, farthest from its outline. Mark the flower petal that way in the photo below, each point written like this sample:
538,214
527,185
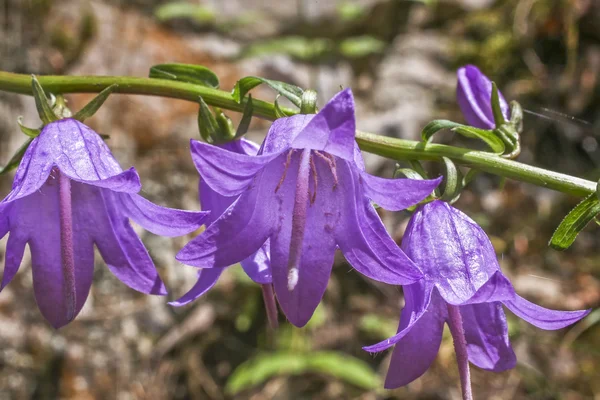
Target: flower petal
243,228
207,278
417,297
333,129
451,250
36,219
362,237
497,288
159,220
226,172
486,332
474,94
119,245
282,133
258,265
317,248
397,194
15,247
413,355
541,317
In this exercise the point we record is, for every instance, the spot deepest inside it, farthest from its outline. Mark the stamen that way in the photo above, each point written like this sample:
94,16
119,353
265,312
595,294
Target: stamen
299,219
288,160
66,243
313,168
330,160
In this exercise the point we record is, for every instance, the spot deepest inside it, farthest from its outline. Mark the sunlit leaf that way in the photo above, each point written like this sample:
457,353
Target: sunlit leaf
190,73
244,85
574,222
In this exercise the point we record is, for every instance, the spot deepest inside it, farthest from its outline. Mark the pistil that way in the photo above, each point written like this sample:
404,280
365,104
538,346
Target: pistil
66,243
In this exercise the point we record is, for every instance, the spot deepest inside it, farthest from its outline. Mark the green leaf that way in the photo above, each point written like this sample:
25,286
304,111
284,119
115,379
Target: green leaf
244,85
263,367
246,119
361,46
496,110
207,123
494,142
90,108
574,222
16,158
279,113
182,9
31,132
453,184
189,73
41,102
308,103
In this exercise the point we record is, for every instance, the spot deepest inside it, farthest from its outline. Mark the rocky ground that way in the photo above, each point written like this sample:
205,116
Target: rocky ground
399,57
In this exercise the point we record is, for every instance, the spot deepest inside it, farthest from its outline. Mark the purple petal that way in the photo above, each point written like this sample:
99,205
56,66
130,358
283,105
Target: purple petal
119,245
227,173
35,218
159,220
362,237
397,194
542,317
15,247
413,355
418,298
486,332
333,129
207,278
282,133
258,265
497,288
243,228
317,248
474,93
241,146
451,250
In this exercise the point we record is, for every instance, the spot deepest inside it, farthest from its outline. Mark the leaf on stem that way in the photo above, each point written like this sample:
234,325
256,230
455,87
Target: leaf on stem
90,108
493,141
189,73
41,102
246,119
244,85
207,123
574,222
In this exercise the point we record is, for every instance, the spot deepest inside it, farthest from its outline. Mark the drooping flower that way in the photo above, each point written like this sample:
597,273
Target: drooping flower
68,194
257,265
473,93
307,192
461,270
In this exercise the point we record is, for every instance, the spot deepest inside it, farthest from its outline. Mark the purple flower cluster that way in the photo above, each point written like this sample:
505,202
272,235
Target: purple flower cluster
281,211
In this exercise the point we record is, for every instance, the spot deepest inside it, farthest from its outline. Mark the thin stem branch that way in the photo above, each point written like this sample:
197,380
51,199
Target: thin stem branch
397,149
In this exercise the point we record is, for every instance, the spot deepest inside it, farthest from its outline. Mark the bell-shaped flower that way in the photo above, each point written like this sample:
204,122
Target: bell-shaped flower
474,94
461,269
68,194
257,266
306,192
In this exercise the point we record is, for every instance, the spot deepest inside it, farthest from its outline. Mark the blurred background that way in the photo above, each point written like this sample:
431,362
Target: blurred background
400,59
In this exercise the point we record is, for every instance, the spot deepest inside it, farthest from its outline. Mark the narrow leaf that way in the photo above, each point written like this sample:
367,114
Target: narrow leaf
16,158
90,108
494,142
31,132
246,119
190,73
496,110
41,102
453,184
279,113
407,173
574,222
207,123
244,85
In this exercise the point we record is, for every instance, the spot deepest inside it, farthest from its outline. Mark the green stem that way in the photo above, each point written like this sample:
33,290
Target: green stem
397,149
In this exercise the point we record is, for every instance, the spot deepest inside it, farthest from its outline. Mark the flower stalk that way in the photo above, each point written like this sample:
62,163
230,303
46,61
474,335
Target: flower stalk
397,149
455,324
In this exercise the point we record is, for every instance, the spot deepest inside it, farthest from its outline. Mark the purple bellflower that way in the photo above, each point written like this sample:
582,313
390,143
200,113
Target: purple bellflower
257,266
461,272
306,192
68,194
474,93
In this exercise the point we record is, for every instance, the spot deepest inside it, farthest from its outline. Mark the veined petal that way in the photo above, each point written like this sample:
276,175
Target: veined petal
207,278
242,146
119,245
362,237
497,288
258,265
282,133
541,317
333,129
226,172
15,247
159,220
418,298
243,228
35,218
397,194
486,333
413,355
299,289
4,222
451,250
126,182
